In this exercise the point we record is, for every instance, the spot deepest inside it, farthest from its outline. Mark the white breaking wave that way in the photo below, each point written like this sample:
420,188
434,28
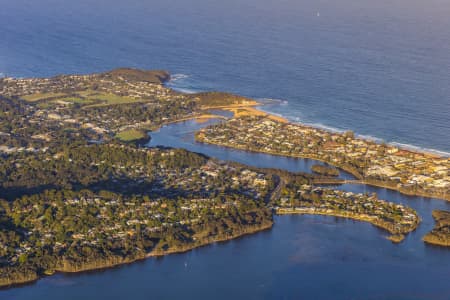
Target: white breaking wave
179,82
269,112
178,77
420,149
371,138
380,140
297,119
184,90
273,100
325,127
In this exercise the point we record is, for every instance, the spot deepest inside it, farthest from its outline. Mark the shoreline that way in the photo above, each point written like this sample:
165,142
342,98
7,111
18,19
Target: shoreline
103,265
248,109
252,110
439,235
408,147
144,126
348,170
395,236
254,107
245,109
430,241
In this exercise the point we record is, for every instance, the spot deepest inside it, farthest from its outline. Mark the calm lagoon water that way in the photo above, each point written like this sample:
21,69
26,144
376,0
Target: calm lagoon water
301,257
380,68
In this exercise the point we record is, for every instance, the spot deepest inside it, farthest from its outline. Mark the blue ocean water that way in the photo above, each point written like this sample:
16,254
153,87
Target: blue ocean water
380,68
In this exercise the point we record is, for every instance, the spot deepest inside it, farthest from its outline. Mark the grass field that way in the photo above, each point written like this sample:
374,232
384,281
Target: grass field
88,98
42,96
111,99
131,135
78,100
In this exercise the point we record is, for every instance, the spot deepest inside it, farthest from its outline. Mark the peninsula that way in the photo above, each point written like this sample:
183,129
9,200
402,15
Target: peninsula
305,199
440,235
409,172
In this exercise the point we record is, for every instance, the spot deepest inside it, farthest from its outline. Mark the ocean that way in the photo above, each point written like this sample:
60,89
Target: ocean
379,68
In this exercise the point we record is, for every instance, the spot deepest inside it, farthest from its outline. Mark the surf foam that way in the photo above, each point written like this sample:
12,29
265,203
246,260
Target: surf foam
178,77
299,120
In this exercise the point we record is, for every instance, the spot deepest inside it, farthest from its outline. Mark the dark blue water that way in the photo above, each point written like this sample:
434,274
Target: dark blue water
302,257
380,68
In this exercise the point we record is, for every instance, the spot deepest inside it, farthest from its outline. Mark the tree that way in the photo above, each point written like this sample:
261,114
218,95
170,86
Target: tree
23,258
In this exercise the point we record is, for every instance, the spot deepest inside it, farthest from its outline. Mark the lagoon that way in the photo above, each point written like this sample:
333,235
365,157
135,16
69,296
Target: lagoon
301,257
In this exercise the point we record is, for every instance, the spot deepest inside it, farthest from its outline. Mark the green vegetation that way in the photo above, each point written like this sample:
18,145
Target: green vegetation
70,231
306,199
220,99
410,172
78,100
440,235
85,107
135,75
110,99
42,96
93,107
325,170
78,193
132,135
94,206
86,98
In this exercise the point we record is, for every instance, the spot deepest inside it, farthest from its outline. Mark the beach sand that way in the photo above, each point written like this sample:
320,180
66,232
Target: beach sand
248,109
